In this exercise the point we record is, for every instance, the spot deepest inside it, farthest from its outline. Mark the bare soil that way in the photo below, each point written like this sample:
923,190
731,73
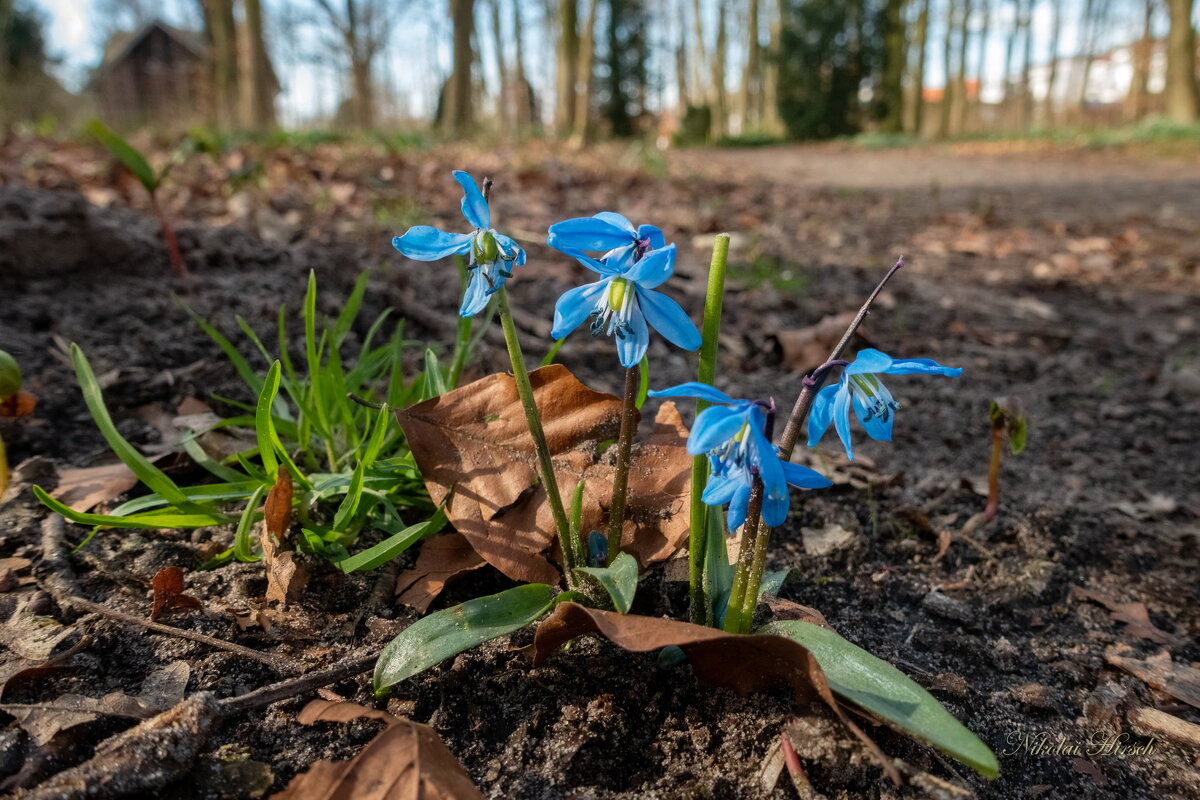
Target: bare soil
1071,280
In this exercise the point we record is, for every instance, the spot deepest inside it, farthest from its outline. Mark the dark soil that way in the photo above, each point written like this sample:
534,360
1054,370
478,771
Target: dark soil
1084,302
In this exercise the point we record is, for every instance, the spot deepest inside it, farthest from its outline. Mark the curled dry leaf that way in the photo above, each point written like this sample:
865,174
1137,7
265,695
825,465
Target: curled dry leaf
85,488
743,662
475,440
277,512
286,579
168,593
443,558
406,761
1134,615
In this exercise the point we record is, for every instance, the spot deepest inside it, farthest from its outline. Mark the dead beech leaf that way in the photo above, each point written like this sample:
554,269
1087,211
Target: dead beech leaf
20,404
475,440
442,559
85,488
1159,672
168,593
277,512
743,662
1134,615
285,578
807,348
406,761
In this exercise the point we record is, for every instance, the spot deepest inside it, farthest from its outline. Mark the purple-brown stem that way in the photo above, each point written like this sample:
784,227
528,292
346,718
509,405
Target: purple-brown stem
168,232
993,504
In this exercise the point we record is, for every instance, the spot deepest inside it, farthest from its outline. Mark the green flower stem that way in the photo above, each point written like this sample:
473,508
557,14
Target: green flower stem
737,620
701,605
629,420
462,341
533,417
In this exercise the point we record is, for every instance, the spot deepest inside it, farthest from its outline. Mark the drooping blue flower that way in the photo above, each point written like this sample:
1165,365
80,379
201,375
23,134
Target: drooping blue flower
491,255
623,302
732,435
861,390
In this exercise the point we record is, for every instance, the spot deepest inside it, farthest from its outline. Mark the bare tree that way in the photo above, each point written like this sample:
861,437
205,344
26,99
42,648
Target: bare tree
258,90
362,28
1135,101
1025,21
458,115
584,77
894,52
222,37
720,55
1048,110
952,12
750,99
985,33
960,82
567,62
1181,97
918,79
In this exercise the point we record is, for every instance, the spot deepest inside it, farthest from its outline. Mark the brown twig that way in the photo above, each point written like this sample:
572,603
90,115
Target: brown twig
59,580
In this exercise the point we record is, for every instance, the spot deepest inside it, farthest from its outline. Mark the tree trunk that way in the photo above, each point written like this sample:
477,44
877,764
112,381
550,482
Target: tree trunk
751,92
1087,35
1049,113
985,33
567,61
505,89
218,20
459,89
1010,41
771,122
1026,62
960,83
718,72
892,81
1181,94
584,77
947,71
700,79
524,110
258,92
918,90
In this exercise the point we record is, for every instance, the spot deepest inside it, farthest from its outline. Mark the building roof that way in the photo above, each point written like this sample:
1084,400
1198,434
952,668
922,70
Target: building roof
121,43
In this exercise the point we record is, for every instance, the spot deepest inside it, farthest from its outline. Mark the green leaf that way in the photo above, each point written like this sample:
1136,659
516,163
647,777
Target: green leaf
435,384
1018,435
243,541
348,510
643,380
877,686
553,354
349,311
165,518
124,152
394,545
718,572
232,353
448,632
263,424
619,579
772,582
146,472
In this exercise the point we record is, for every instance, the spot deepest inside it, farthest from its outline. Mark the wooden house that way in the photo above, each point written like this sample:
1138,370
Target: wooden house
156,74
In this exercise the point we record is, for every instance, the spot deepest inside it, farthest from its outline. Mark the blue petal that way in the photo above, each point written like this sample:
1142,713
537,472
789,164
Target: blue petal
804,477
654,268
619,260
474,207
822,413
720,490
633,345
617,220
922,366
875,427
653,234
775,509
475,299
714,427
574,306
737,507
700,391
841,420
425,243
595,265
770,468
509,246
869,360
668,318
588,233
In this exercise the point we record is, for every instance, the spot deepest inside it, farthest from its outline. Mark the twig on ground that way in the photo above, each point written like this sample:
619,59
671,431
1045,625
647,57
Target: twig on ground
59,580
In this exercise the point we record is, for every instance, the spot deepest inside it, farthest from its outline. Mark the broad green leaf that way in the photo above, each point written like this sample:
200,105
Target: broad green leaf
448,632
435,384
1018,436
877,686
619,579
394,545
124,152
718,572
772,582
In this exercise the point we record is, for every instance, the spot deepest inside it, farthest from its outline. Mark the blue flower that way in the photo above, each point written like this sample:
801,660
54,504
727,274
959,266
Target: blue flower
860,388
623,301
732,435
491,255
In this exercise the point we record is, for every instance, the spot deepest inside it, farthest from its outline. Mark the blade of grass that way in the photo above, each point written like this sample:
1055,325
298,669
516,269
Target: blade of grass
244,371
389,548
263,424
435,384
168,518
243,541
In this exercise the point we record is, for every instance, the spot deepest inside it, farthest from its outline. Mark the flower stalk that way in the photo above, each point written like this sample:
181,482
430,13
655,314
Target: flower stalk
629,420
755,538
701,604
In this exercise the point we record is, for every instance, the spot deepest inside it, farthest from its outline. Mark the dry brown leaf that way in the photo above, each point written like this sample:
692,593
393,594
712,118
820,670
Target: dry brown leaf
85,488
1159,672
20,404
442,559
475,440
168,593
1134,615
277,512
285,578
743,662
807,348
406,761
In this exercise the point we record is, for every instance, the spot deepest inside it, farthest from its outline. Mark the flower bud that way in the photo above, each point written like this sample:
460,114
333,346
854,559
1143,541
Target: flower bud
10,375
486,249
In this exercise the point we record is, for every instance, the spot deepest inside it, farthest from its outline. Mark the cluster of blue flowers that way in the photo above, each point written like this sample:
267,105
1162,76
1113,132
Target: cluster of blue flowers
632,262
